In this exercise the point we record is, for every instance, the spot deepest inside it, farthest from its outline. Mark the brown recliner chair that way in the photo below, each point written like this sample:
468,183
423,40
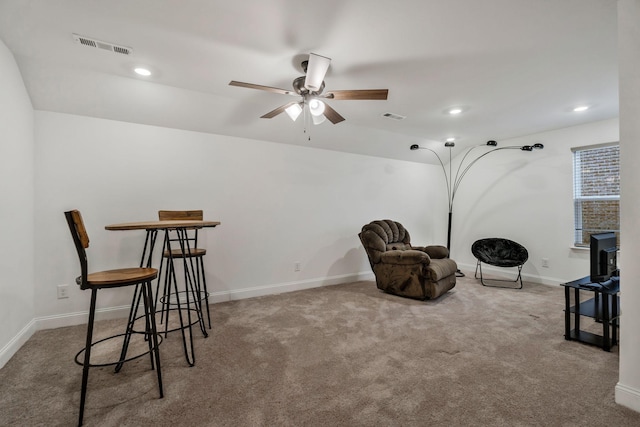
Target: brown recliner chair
405,270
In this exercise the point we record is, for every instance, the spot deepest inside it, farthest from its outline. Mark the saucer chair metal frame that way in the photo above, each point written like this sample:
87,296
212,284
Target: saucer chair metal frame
499,252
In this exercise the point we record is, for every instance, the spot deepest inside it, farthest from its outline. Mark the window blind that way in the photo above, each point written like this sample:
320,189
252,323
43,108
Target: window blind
596,191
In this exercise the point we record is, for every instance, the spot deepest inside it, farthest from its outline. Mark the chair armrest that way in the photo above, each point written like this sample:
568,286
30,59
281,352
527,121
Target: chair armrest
434,251
407,257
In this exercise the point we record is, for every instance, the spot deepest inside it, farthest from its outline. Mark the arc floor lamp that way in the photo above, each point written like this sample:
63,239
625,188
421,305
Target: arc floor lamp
453,181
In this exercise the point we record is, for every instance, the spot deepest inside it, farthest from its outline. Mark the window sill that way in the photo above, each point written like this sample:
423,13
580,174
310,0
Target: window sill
584,248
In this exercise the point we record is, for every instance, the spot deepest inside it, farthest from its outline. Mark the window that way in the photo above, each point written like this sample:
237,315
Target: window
596,191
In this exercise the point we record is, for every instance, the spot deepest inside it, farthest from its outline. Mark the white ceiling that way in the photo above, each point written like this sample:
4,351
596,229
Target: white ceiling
517,66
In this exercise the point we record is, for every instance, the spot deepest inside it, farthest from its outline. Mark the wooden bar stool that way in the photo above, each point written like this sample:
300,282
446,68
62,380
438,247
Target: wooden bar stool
181,244
188,250
140,278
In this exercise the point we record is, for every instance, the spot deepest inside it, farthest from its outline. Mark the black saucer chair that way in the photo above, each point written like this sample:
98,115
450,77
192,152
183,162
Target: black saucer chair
499,252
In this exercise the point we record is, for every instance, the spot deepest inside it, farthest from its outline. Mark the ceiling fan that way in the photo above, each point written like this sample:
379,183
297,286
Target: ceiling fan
310,87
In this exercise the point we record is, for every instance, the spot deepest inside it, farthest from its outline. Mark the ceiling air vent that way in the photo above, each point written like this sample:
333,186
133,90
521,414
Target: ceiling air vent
87,41
394,116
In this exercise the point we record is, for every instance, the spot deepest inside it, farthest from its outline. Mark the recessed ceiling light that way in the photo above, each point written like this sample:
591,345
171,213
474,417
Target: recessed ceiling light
456,109
142,71
451,139
581,108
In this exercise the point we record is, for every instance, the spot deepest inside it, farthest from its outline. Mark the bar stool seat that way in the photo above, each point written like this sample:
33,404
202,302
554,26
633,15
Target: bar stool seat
177,253
140,278
121,277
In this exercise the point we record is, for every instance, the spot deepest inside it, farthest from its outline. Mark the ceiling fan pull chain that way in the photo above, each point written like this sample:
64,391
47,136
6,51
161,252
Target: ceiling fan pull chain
306,120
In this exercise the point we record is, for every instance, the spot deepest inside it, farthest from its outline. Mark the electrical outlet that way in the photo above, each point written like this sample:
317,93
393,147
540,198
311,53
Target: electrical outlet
63,291
296,266
545,262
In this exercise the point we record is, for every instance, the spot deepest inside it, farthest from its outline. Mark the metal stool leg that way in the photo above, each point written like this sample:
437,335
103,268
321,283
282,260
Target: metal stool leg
153,332
206,292
87,355
188,350
192,279
132,318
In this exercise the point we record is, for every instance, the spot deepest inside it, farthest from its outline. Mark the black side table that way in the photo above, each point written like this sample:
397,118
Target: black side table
603,307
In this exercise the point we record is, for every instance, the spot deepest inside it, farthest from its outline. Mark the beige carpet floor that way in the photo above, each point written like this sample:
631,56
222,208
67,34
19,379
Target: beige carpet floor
344,355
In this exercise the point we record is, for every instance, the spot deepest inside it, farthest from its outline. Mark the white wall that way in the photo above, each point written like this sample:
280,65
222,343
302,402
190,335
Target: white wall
278,205
16,213
628,388
528,197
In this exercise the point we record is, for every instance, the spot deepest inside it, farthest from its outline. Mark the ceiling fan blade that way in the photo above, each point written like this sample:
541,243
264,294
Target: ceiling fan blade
364,94
316,70
332,114
280,109
260,87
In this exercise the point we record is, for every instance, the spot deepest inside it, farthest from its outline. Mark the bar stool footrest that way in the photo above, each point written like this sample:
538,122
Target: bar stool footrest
128,359
195,320
171,298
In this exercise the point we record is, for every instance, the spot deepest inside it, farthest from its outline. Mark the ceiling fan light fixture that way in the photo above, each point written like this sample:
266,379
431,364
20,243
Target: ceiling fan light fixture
309,88
316,70
293,111
316,107
318,120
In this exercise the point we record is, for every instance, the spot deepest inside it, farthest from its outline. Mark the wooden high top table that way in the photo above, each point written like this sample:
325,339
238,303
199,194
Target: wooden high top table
162,225
152,228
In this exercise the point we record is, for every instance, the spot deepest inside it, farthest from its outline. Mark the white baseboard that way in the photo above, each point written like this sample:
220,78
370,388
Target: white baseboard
56,321
511,273
16,342
627,396
258,291
80,318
